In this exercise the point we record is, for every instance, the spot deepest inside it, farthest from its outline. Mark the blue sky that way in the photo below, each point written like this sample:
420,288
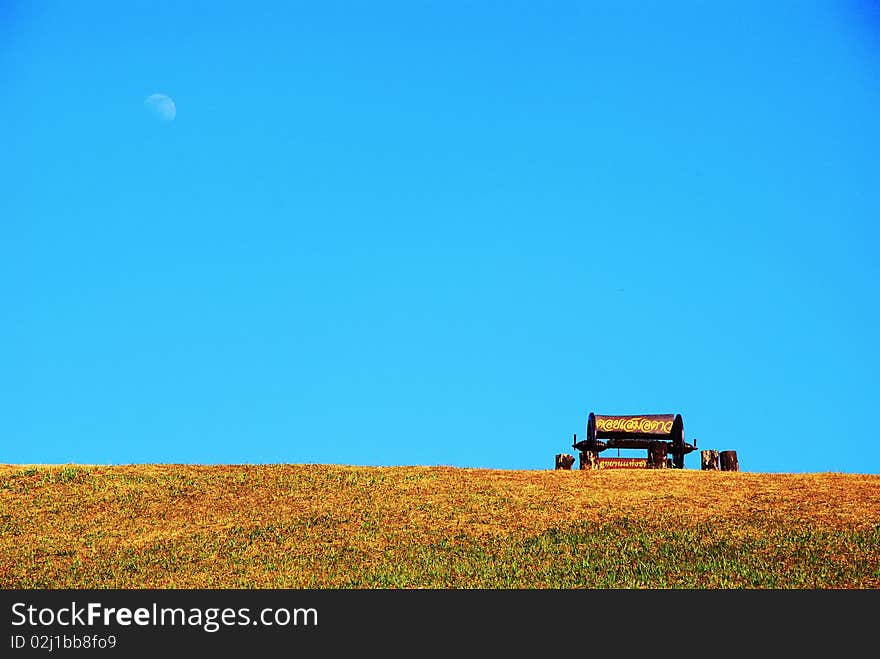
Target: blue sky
437,232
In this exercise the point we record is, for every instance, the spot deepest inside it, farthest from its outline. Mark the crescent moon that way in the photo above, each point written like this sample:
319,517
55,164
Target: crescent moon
161,107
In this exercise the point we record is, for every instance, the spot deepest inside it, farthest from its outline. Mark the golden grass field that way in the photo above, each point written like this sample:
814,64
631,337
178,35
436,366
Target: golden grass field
330,526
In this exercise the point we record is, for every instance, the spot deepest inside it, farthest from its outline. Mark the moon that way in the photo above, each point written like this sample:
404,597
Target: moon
161,107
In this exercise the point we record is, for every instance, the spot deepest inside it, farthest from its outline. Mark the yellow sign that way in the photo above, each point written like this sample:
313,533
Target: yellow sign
658,424
623,463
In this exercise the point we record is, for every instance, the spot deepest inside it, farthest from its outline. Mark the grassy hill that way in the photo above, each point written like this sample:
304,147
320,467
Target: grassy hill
326,526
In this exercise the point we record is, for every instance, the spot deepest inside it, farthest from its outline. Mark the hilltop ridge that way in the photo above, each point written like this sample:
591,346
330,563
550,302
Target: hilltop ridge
335,526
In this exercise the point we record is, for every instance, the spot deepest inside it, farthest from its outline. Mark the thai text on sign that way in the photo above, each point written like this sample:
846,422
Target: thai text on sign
654,424
623,463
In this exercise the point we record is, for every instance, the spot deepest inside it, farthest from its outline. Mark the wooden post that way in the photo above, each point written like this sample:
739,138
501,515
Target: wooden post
564,461
729,461
657,455
709,460
589,460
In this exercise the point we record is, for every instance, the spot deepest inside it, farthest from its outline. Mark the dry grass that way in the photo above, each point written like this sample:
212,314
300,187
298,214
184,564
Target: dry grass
327,526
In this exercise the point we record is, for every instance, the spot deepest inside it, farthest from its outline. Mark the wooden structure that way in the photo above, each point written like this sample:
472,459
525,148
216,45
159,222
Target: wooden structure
657,452
660,434
709,460
564,461
729,461
589,460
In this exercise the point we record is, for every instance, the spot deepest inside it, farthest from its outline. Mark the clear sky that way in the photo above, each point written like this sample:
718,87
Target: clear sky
425,233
